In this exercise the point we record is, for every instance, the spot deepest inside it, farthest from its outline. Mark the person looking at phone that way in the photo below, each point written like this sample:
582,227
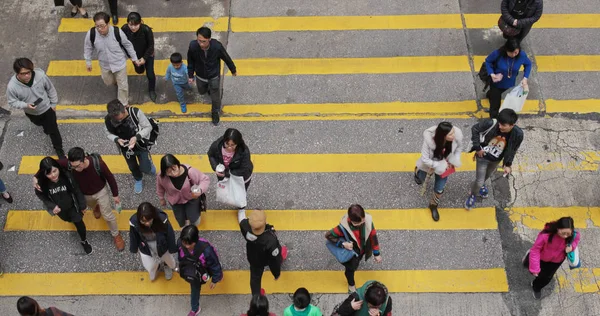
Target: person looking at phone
32,91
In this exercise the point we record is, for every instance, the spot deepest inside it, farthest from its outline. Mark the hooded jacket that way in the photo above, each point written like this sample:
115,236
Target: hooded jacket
209,258
346,308
428,161
514,140
208,66
240,165
533,12
165,241
164,185
19,95
543,250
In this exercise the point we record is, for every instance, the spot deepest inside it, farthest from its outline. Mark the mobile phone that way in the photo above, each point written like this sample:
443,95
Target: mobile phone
38,101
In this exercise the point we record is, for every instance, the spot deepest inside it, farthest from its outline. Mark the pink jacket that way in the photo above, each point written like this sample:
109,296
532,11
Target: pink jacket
549,252
174,196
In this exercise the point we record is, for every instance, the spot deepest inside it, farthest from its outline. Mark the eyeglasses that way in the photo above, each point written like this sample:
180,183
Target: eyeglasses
229,146
101,26
78,166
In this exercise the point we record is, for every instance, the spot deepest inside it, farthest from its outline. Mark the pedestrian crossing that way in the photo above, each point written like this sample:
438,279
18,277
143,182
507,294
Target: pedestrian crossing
394,219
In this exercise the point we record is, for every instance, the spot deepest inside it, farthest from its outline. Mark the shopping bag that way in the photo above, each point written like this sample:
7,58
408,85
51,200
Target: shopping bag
231,191
573,256
515,99
342,254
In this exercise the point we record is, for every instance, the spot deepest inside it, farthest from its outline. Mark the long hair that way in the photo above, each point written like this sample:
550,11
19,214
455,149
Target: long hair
167,162
443,148
46,165
553,227
146,211
235,136
259,306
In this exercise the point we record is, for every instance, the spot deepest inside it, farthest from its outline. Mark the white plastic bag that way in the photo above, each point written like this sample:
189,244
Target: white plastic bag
515,99
231,191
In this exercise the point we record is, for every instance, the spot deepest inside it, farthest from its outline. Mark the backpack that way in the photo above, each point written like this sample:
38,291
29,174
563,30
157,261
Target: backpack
190,267
117,36
95,161
151,141
483,74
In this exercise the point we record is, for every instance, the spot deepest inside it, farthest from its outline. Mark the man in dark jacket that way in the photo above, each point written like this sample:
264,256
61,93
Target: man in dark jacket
501,140
521,14
204,58
262,247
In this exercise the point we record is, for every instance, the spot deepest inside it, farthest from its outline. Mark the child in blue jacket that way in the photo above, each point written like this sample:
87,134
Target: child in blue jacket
177,74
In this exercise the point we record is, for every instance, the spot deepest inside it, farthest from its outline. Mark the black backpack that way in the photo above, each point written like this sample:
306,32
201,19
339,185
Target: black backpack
95,161
190,267
117,36
483,74
151,141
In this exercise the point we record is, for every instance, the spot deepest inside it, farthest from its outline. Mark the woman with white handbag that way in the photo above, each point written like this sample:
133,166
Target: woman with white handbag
550,249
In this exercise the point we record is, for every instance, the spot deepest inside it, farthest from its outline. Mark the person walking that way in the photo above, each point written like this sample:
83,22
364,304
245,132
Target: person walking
230,151
501,141
549,251
302,305
259,306
27,306
503,66
32,91
359,225
113,48
177,74
151,234
262,247
370,299
129,128
440,154
184,187
61,196
142,38
193,250
204,59
520,15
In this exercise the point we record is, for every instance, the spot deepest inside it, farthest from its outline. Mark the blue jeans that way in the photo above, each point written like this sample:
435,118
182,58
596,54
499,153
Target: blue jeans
440,183
2,186
179,91
144,165
195,296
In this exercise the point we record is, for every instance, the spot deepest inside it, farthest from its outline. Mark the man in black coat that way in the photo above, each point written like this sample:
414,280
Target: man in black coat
521,14
204,58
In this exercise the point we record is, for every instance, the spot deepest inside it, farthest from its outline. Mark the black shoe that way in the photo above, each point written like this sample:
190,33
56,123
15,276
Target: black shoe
60,153
152,95
9,199
417,179
115,19
73,14
87,247
1,166
537,294
86,16
215,118
434,212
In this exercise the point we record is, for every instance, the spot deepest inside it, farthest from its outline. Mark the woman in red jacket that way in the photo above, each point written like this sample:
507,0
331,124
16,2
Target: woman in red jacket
549,251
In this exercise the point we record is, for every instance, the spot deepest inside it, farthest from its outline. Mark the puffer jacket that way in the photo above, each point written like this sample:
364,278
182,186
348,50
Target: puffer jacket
533,12
427,161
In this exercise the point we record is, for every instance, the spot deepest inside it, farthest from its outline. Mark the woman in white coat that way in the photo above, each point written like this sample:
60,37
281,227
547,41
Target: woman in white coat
440,154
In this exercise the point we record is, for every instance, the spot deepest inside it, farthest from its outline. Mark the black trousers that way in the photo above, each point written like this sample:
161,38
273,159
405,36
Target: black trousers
73,2
113,7
81,231
47,120
547,271
257,270
213,87
351,267
148,67
495,96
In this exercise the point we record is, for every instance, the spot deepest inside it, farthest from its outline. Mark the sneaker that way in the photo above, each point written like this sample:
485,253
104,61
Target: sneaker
434,212
6,197
284,252
192,313
96,211
138,187
168,272
484,192
119,242
183,108
152,95
417,179
351,289
87,247
115,19
470,202
536,294
215,118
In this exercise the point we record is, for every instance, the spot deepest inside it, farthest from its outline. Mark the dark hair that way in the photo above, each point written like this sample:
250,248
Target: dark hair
102,16
508,116
148,211
259,306
114,108
232,134
375,294
189,234
21,63
443,148
167,162
553,227
76,154
301,298
204,31
176,58
356,213
46,165
135,18
510,46
28,306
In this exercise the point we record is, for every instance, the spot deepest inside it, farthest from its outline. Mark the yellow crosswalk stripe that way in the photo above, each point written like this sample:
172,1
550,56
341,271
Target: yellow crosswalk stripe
573,106
535,217
283,220
340,23
583,280
316,163
158,24
237,282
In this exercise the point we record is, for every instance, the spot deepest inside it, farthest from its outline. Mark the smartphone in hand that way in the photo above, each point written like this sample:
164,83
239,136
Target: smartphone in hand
38,101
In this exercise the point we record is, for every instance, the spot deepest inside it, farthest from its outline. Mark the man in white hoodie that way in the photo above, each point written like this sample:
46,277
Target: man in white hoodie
32,91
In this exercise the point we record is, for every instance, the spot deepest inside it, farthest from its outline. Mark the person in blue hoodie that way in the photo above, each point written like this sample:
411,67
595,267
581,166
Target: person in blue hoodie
192,248
177,74
503,66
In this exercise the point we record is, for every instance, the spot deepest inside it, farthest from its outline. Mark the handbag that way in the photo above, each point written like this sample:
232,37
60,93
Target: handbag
202,197
507,30
573,256
342,254
232,191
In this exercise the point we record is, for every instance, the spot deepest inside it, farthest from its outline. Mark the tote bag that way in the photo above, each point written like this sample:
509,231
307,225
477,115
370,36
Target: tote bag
342,254
515,99
231,191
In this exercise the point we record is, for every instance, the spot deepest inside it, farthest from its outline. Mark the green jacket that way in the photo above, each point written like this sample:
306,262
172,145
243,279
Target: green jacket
311,310
361,291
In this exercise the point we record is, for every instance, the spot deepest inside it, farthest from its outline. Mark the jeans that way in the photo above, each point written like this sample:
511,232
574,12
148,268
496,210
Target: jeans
212,86
2,186
179,91
144,165
256,272
440,183
148,66
483,170
495,96
195,295
47,120
189,211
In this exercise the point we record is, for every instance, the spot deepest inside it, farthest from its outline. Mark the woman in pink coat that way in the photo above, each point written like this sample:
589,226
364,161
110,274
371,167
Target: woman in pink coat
184,187
549,251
